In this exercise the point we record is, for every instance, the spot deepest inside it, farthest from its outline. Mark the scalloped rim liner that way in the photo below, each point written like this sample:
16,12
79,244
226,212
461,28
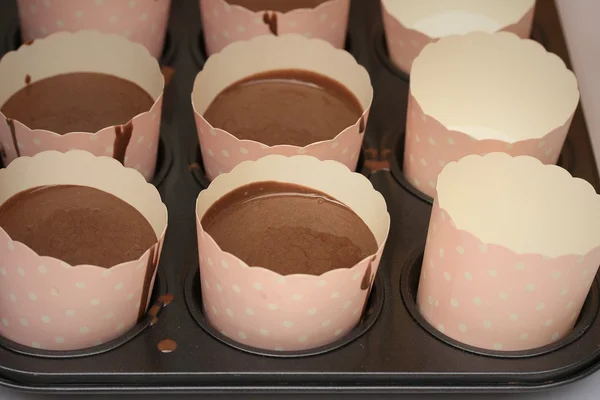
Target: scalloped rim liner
284,52
513,216
357,193
75,52
536,128
103,173
477,54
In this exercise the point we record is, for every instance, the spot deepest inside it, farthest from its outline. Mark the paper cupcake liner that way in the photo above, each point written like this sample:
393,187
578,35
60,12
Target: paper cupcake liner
511,253
402,19
224,24
84,51
221,151
263,309
525,109
46,303
141,21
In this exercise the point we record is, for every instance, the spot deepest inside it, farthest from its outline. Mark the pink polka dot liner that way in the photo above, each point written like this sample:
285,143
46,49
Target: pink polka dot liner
224,24
263,309
221,151
508,261
141,21
410,25
46,303
84,51
503,94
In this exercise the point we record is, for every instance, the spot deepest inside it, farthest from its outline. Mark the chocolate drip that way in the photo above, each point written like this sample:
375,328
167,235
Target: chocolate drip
29,42
366,279
13,134
367,284
361,125
27,79
122,137
150,269
270,18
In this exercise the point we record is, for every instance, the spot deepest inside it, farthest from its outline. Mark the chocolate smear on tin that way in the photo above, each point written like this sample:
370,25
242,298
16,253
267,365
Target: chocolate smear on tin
13,134
27,79
122,137
270,18
166,299
167,346
167,73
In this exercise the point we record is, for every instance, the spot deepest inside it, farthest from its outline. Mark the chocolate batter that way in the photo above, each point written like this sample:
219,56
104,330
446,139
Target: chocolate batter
284,107
276,5
77,102
289,229
77,224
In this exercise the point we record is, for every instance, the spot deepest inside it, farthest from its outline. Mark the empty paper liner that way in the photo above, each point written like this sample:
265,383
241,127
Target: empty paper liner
410,25
84,51
221,151
224,23
263,309
141,21
506,95
409,283
49,304
512,249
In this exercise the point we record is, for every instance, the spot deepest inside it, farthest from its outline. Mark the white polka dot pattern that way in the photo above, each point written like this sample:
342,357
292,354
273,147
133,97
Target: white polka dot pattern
517,307
444,146
141,21
295,313
224,24
48,303
44,300
405,44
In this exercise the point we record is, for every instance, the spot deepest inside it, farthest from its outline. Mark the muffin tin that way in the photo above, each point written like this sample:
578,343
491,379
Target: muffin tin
392,350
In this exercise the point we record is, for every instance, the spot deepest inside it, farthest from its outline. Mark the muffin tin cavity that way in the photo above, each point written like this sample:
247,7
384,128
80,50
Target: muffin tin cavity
193,299
409,282
196,166
157,302
565,160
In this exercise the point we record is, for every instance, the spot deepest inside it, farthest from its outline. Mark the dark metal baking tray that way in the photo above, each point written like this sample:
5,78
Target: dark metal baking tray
393,350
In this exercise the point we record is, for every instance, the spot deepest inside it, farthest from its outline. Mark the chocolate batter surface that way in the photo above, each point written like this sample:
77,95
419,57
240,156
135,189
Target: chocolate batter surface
77,102
276,5
289,229
284,107
77,224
